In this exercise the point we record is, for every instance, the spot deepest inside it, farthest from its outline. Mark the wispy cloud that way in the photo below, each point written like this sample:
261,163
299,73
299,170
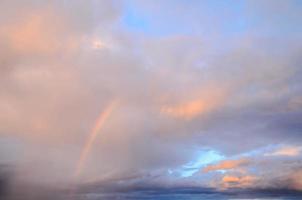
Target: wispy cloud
286,151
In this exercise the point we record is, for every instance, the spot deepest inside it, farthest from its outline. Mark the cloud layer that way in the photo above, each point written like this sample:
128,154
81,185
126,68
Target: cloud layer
182,94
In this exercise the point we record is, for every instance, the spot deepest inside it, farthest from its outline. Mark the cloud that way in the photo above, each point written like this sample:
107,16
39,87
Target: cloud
286,151
295,180
210,100
33,35
179,93
227,165
237,181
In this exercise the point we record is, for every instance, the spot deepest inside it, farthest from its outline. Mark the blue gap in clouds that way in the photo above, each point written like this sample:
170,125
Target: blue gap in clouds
135,21
142,20
203,158
234,13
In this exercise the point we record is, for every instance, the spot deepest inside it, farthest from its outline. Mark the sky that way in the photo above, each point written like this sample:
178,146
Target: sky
121,94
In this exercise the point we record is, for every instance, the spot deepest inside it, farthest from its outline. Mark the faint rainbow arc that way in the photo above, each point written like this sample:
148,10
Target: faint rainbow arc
103,116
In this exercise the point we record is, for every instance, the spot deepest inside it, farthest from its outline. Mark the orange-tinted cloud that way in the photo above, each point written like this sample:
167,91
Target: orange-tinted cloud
296,180
188,109
226,165
38,32
230,181
286,151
